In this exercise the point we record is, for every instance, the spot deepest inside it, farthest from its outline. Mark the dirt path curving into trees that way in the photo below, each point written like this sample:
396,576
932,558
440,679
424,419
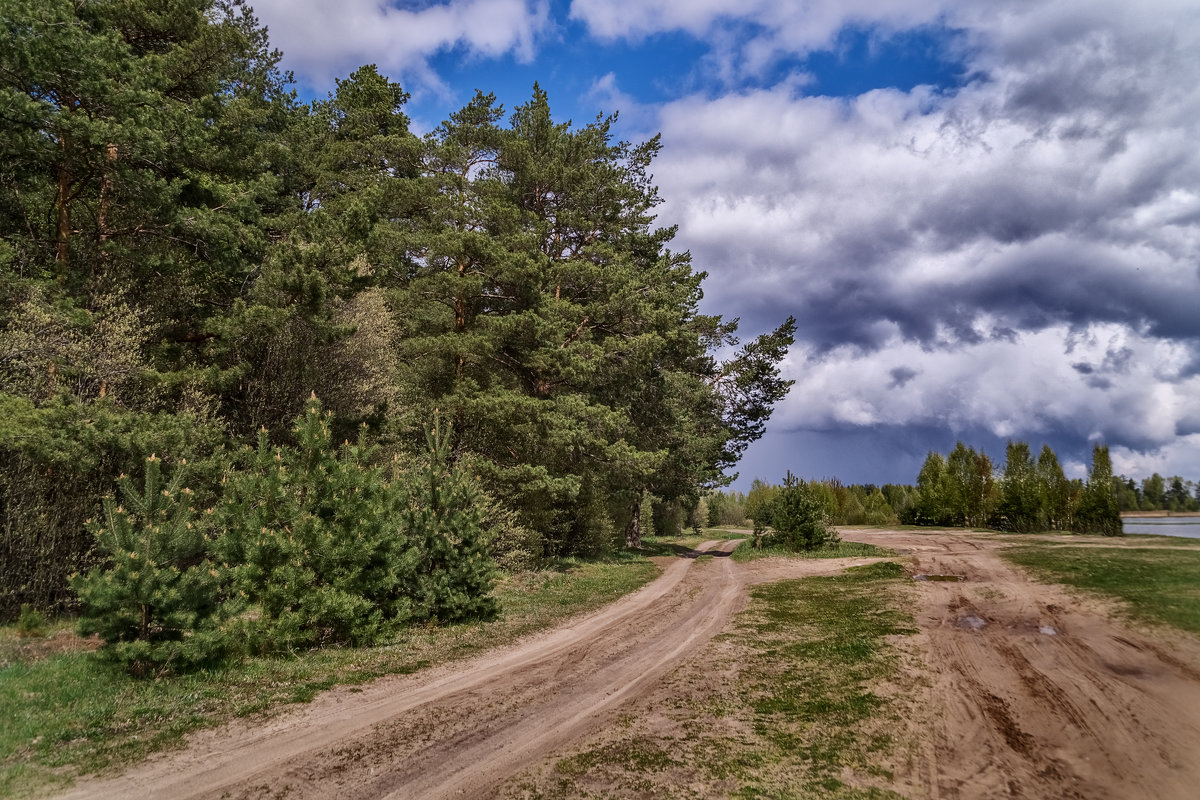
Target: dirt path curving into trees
1011,709
459,730
1033,691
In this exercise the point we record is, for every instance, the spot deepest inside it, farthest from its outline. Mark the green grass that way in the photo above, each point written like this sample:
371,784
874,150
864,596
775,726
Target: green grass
671,545
1157,585
1124,540
840,549
797,712
71,713
822,648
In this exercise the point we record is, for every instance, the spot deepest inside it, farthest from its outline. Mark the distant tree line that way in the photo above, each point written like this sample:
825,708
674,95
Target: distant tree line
842,504
1027,495
963,488
189,257
1157,493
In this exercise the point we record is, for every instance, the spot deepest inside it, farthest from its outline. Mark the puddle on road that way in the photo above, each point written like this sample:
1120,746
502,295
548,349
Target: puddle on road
953,578
971,621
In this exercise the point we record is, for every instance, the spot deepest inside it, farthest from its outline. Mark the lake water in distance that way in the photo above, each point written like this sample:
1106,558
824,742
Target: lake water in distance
1163,526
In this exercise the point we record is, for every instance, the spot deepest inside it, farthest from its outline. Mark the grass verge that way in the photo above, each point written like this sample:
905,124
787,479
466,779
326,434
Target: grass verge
1157,585
69,713
1126,540
840,549
794,702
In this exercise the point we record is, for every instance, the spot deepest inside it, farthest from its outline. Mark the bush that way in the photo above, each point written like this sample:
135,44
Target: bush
31,623
314,540
58,460
799,518
155,602
454,572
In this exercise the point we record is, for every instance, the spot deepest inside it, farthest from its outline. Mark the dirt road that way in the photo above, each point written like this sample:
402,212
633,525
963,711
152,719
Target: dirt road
1035,692
1031,694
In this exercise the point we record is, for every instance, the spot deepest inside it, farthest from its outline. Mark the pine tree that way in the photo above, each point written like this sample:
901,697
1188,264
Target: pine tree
454,574
156,601
798,518
313,537
549,318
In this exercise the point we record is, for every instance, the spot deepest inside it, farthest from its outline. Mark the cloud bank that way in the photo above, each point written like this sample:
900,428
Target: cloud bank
325,40
1019,255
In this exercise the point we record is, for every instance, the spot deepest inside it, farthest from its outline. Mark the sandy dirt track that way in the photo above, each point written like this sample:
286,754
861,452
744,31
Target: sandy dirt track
1090,710
459,730
1035,692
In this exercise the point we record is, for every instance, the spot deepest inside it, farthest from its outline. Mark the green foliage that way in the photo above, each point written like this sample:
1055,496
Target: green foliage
730,509
316,543
58,460
1056,499
31,622
1098,511
760,505
1021,498
932,506
799,518
453,574
512,546
186,252
155,603
956,490
1032,496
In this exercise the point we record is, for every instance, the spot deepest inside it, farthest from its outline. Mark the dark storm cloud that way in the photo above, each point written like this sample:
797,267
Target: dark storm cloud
901,376
1026,245
1059,189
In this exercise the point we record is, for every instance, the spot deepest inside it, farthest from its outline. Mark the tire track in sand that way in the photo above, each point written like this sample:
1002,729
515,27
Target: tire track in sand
460,729
1033,692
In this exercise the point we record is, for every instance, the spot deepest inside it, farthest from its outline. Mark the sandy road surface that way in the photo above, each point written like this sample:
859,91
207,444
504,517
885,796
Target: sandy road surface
456,731
1031,693
1036,693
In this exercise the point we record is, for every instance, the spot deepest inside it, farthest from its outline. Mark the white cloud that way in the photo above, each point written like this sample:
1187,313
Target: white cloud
999,241
1102,384
1180,457
803,24
322,40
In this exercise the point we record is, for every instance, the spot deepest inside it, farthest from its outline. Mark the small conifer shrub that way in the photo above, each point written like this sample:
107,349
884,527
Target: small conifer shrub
155,602
314,539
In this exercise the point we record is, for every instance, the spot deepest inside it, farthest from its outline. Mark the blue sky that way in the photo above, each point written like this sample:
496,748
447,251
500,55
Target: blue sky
985,214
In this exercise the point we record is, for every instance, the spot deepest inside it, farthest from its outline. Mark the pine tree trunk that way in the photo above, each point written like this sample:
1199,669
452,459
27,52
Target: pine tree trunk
633,534
106,191
63,213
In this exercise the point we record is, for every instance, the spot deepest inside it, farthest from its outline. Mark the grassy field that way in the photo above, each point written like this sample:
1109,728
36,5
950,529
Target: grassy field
790,704
68,712
1156,585
836,550
821,652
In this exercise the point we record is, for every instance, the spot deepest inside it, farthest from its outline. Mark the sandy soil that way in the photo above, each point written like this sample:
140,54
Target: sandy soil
1035,692
1032,692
